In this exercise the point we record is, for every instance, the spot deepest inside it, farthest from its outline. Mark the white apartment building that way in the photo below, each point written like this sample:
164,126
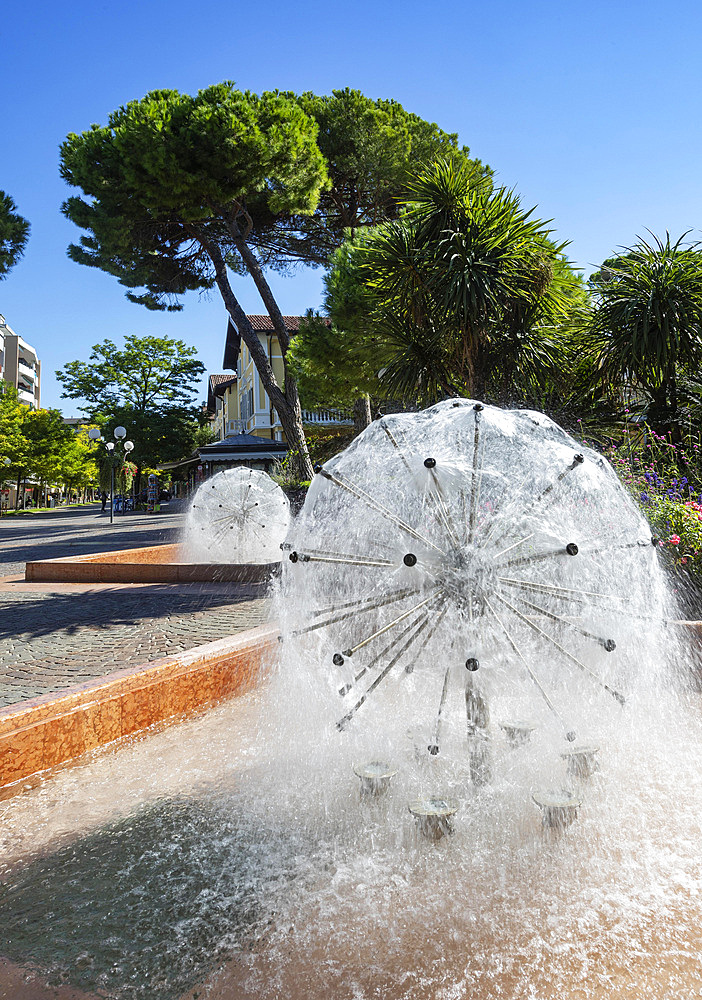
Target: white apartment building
20,365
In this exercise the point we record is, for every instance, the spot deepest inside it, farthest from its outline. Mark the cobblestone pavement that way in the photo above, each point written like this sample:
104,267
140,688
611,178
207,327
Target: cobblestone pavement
50,641
53,636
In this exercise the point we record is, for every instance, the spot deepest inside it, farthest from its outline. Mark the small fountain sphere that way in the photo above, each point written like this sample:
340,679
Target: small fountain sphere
237,516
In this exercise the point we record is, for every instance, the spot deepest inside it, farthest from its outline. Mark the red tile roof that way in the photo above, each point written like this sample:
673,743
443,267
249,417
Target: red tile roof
217,380
265,325
217,385
260,323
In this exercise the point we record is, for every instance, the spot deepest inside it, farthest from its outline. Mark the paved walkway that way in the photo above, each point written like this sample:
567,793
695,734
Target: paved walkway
53,636
79,530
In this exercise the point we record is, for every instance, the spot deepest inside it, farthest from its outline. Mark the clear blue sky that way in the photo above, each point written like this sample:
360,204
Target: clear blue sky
591,111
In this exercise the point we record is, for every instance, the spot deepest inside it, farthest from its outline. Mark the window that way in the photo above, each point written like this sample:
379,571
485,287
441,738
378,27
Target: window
247,404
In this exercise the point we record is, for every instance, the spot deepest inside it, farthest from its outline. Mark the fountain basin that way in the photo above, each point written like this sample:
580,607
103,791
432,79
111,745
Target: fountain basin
43,733
150,564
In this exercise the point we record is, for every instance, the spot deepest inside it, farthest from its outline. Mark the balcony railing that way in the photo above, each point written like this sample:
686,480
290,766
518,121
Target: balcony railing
326,417
27,369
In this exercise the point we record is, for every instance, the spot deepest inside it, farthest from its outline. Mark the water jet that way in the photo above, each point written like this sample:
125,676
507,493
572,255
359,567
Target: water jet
434,816
558,808
581,760
375,777
518,732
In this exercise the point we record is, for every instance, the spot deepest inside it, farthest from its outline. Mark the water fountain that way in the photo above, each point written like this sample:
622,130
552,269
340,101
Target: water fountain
233,531
474,552
453,571
239,515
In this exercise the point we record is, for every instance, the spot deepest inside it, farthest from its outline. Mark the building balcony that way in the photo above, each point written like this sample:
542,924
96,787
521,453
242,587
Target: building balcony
27,370
339,417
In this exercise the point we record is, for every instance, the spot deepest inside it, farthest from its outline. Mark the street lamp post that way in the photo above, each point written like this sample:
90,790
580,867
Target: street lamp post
110,445
120,433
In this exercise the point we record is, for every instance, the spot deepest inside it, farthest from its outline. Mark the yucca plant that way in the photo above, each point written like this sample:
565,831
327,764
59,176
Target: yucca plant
646,327
465,281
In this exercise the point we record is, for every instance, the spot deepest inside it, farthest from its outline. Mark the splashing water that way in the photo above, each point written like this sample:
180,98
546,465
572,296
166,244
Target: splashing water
237,516
474,563
274,876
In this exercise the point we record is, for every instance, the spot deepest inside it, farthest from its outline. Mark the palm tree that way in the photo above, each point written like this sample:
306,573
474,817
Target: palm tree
464,281
646,327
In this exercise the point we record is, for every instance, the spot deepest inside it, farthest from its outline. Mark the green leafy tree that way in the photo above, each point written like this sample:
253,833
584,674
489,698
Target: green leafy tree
13,443
148,373
14,233
76,465
48,441
175,186
646,326
333,365
373,149
147,387
464,278
165,435
12,414
183,192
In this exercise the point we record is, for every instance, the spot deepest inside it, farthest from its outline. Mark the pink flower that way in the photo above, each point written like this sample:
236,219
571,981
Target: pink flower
674,539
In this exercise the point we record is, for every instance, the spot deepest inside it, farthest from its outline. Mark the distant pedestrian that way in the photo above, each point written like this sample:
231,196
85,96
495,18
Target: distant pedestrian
103,497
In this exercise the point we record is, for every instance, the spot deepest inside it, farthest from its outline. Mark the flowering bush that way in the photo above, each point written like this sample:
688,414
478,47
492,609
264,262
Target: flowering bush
665,480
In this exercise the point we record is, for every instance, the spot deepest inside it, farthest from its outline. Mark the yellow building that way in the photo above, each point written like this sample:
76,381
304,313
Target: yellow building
239,402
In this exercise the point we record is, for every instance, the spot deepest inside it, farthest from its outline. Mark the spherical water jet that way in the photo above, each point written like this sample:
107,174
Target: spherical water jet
237,516
291,888
469,536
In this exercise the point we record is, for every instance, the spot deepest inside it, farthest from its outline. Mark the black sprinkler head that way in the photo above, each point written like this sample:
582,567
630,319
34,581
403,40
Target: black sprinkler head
410,559
293,557
579,459
472,663
570,736
318,468
338,660
572,549
478,407
610,645
429,463
433,749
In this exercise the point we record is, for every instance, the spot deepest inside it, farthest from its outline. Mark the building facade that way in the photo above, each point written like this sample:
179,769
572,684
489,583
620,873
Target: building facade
20,365
238,401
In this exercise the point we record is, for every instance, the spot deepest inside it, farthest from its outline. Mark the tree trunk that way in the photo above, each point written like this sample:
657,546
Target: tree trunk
362,413
286,403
